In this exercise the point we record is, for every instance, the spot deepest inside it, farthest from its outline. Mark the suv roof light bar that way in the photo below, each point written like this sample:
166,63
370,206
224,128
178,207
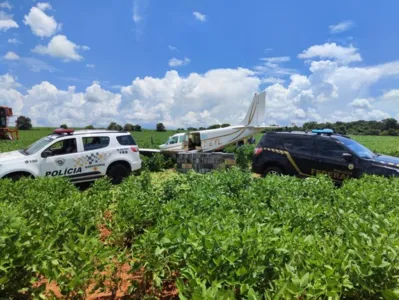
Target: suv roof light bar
323,131
63,131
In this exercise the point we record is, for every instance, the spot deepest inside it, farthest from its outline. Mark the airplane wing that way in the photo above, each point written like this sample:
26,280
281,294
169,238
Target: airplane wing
255,127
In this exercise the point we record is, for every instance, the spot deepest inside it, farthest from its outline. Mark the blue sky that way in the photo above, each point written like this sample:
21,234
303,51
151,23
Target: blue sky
198,62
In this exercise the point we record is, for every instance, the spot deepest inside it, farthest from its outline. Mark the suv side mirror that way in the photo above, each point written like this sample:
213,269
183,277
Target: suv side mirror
46,153
347,156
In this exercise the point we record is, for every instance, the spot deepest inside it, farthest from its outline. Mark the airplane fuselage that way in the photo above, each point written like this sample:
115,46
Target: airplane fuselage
209,140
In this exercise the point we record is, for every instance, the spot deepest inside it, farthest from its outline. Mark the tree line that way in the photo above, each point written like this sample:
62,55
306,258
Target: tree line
388,126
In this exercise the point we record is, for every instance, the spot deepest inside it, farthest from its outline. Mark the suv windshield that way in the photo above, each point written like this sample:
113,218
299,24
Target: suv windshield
357,148
36,146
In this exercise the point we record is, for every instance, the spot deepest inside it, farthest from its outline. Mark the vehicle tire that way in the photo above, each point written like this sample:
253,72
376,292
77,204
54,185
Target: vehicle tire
18,176
118,172
273,171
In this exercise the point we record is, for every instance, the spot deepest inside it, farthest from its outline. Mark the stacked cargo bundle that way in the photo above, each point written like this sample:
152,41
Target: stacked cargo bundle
203,162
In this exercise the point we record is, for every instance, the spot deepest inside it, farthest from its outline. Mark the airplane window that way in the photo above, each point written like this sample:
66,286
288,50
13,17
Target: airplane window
173,140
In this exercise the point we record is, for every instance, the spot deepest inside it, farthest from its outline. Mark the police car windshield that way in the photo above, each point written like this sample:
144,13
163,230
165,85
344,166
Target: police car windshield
36,146
357,148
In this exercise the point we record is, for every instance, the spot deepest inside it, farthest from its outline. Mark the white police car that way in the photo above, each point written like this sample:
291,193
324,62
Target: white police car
82,156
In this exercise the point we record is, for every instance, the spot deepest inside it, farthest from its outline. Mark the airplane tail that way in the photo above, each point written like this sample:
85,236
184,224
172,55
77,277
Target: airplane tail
256,113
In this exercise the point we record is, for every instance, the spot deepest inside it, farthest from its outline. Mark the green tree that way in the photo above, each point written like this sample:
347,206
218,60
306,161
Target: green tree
128,127
24,123
389,123
160,127
136,127
114,126
214,126
64,126
89,127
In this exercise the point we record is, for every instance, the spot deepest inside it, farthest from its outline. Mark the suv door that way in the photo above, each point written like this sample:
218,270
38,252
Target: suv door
328,160
93,157
300,153
58,159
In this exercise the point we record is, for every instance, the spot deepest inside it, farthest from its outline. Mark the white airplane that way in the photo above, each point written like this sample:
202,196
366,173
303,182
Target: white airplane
216,139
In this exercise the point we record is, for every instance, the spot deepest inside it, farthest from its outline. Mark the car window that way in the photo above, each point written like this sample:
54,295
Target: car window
359,149
181,138
126,140
268,141
62,147
36,146
93,143
298,144
329,148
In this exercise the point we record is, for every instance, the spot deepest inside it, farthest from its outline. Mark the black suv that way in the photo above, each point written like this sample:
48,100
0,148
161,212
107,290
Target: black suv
319,152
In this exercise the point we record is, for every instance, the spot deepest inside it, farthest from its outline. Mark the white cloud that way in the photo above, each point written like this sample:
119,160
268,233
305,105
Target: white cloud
331,92
84,48
46,104
14,41
90,65
30,63
172,48
174,62
272,80
376,115
8,82
60,47
139,15
43,6
116,87
328,87
9,95
136,17
221,95
391,95
273,62
6,21
277,59
40,23
200,17
37,65
5,5
271,67
361,103
11,56
341,54
341,27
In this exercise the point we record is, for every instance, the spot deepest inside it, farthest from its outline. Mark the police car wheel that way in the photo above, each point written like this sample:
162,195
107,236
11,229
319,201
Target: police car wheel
117,173
18,176
273,171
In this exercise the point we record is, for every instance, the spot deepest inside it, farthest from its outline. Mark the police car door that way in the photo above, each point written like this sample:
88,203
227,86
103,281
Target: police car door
300,154
328,160
59,159
94,155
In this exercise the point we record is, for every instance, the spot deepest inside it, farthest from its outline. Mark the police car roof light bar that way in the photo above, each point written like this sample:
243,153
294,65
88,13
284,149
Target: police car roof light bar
323,131
63,131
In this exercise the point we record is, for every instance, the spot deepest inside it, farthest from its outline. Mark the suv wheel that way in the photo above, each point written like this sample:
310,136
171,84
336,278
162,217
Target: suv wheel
117,173
273,171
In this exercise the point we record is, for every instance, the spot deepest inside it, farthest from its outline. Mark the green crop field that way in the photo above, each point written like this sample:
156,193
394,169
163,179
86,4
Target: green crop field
223,235
145,139
152,139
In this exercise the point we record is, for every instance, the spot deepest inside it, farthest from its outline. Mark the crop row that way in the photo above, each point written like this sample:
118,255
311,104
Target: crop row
220,235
